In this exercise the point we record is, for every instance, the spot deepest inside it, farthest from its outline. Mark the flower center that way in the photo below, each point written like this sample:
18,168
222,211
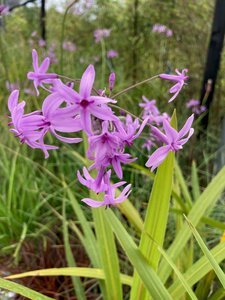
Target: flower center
84,103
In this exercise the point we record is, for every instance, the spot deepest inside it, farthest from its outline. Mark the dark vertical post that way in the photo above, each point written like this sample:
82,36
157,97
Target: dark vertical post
43,20
213,57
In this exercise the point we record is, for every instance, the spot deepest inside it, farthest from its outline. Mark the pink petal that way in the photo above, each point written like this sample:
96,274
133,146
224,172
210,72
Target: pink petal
101,100
171,133
13,100
35,60
103,113
184,141
87,82
44,65
92,202
158,157
65,139
184,130
85,118
159,135
51,103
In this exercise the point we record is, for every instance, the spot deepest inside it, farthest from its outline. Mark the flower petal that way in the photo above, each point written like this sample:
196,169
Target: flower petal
65,139
171,133
13,100
158,157
184,130
44,65
35,60
92,202
87,82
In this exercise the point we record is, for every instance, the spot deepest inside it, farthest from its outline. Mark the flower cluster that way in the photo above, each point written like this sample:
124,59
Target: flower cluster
66,110
160,28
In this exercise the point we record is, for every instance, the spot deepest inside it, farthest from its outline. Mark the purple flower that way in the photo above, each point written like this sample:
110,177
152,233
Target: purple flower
112,79
11,86
110,198
84,103
103,145
195,106
69,46
4,9
160,28
149,143
100,34
39,75
60,119
150,108
130,131
174,141
42,43
169,33
179,79
28,128
112,53
97,185
29,91
52,55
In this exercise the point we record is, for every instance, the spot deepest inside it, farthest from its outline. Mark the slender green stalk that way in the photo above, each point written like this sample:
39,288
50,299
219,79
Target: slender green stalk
63,34
134,86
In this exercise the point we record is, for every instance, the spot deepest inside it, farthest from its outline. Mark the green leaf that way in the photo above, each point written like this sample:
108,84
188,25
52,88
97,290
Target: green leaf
108,254
219,272
148,276
77,271
132,214
78,287
183,185
198,270
22,290
200,208
180,276
155,220
195,183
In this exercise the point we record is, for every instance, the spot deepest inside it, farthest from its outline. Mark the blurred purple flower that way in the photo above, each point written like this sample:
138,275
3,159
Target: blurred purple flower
33,33
196,107
174,141
11,86
42,43
29,91
169,33
39,75
112,79
4,9
100,34
160,28
69,46
149,143
112,53
150,108
52,55
179,79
